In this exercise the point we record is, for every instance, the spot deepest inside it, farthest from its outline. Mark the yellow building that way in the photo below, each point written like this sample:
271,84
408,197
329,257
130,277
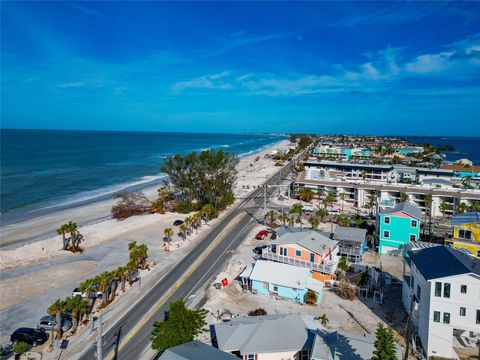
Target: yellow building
466,233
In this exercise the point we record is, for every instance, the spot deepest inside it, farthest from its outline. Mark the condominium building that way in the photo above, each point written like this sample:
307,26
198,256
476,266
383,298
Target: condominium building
442,293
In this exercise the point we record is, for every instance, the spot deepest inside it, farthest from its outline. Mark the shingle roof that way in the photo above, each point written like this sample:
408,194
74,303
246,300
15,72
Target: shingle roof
284,275
310,240
442,261
263,334
405,207
465,218
350,234
195,350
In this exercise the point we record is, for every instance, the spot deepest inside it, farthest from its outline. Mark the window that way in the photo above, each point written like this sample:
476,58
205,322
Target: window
478,316
275,288
463,311
298,253
463,289
283,251
446,290
251,357
436,316
386,234
413,223
265,286
446,318
438,289
413,237
478,253
465,234
386,220
418,292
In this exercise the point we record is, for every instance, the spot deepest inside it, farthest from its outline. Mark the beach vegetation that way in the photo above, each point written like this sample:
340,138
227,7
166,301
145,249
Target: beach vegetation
347,290
311,297
168,232
314,222
206,178
323,319
130,204
271,218
181,325
78,307
56,309
20,348
257,312
305,194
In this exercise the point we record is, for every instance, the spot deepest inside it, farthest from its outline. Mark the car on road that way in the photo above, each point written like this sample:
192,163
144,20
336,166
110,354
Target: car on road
334,212
177,222
258,250
30,336
49,322
308,208
261,235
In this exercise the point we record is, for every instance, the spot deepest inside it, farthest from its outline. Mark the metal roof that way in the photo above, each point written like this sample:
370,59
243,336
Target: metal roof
285,275
350,234
264,334
282,230
435,171
437,181
311,240
195,350
442,261
405,207
334,164
465,218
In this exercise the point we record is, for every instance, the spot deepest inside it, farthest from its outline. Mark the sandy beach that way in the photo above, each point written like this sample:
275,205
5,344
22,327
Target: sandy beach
35,273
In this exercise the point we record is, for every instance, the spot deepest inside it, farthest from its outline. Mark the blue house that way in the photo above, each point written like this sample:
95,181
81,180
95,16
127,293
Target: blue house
397,226
286,281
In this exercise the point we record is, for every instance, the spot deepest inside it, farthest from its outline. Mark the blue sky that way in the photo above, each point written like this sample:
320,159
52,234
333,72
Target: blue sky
362,67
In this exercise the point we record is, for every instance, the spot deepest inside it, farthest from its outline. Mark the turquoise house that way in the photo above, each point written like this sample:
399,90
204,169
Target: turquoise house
396,226
282,280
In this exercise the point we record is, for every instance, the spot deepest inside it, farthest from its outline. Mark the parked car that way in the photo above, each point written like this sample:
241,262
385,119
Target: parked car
308,208
94,293
262,235
177,222
334,212
49,322
258,249
30,336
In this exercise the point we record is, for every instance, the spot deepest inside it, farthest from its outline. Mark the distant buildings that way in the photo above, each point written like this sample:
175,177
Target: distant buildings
466,233
443,294
463,171
408,150
292,336
342,153
397,226
282,280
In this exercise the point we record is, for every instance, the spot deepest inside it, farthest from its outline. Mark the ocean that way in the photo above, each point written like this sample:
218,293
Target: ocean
45,170
466,147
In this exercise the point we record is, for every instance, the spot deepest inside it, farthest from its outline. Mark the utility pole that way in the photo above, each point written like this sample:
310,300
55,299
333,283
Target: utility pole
409,326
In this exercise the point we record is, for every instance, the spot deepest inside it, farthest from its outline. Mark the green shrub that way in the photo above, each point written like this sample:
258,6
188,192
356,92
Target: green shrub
311,297
185,207
20,347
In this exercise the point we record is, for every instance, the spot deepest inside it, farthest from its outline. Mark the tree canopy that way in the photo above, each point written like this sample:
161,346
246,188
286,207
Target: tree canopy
181,325
384,344
207,177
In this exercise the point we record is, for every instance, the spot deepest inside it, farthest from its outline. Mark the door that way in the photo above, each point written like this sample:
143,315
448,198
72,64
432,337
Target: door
312,257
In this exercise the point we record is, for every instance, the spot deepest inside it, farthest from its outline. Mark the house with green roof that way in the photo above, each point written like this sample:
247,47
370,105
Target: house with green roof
396,226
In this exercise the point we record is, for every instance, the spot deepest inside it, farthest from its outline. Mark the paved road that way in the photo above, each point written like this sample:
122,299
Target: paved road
128,347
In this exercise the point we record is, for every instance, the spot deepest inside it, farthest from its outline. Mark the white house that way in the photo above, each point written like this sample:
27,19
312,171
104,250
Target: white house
443,293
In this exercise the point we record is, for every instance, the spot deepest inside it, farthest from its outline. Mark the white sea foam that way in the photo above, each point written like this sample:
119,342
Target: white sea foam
94,194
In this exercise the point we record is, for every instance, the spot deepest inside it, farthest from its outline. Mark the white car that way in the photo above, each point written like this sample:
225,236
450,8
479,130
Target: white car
93,293
334,212
308,207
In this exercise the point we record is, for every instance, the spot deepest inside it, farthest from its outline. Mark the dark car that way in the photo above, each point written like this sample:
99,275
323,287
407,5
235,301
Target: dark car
177,222
29,335
258,249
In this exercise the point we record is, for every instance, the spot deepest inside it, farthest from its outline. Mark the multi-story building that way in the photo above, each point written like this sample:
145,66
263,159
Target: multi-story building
442,293
397,226
349,171
465,233
342,153
462,171
309,249
352,242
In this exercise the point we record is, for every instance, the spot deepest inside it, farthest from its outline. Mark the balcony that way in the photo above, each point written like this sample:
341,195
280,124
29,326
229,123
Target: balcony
326,268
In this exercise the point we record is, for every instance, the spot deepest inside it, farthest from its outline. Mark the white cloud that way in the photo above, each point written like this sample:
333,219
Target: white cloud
72,84
212,81
86,11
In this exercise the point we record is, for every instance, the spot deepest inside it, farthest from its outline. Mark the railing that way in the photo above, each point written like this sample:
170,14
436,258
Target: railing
326,268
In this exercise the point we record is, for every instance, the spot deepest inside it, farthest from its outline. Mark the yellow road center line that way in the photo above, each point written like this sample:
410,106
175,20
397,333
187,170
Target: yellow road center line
164,299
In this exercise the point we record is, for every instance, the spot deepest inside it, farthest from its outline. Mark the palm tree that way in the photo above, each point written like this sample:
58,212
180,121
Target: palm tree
184,230
475,206
297,209
78,306
62,230
314,221
131,267
291,221
86,287
188,222
321,213
73,230
329,200
323,319
207,211
283,218
372,198
168,232
462,207
115,277
428,210
104,280
404,197
443,208
272,217
306,194
143,255
122,273
56,309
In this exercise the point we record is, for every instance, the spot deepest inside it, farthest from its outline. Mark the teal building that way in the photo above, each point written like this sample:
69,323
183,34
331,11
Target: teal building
396,226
